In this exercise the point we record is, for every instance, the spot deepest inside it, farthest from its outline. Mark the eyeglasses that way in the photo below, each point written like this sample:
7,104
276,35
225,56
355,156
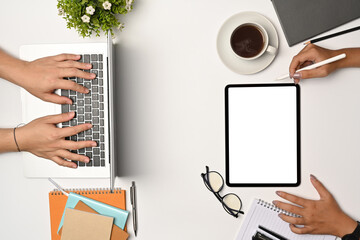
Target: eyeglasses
215,183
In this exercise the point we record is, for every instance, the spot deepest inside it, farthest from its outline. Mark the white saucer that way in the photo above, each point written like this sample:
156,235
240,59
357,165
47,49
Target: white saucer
230,59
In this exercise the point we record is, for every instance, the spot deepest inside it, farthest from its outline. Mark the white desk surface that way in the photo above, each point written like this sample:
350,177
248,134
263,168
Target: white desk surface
172,116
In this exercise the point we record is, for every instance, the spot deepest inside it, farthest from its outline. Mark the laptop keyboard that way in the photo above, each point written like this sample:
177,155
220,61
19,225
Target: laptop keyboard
88,108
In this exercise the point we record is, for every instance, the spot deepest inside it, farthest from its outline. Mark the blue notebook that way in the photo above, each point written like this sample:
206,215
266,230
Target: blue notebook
120,216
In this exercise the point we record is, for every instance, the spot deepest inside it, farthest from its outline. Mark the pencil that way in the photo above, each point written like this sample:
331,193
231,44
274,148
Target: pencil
332,35
316,65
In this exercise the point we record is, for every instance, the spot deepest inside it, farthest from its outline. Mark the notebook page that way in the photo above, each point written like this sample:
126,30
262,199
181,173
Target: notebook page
267,216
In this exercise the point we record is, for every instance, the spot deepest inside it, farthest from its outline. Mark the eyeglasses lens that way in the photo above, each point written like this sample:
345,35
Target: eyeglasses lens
232,201
216,181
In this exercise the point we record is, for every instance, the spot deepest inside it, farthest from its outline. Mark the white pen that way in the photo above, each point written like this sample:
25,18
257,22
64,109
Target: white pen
316,65
58,187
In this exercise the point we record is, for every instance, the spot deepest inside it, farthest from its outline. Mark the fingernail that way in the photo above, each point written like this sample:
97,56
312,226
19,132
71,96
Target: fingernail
89,125
74,166
93,75
279,193
68,101
71,113
88,65
93,144
275,202
312,177
87,160
87,90
297,75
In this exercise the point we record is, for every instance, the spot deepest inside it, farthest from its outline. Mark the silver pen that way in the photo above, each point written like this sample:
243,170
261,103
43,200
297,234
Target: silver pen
133,203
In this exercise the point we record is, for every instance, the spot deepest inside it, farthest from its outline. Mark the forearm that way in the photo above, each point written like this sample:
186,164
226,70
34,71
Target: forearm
10,67
352,57
7,142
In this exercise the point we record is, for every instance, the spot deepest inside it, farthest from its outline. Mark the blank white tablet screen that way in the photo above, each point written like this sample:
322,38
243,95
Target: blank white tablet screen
262,135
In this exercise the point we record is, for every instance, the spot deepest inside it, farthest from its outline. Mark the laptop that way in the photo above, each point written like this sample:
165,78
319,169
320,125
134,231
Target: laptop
96,107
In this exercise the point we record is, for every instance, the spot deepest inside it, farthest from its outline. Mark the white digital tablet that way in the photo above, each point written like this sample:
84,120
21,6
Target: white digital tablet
262,135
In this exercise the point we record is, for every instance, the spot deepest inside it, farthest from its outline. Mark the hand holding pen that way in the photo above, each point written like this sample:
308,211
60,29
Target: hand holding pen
312,54
309,55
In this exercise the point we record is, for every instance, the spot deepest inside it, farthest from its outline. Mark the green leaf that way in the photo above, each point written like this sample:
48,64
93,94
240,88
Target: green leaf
102,20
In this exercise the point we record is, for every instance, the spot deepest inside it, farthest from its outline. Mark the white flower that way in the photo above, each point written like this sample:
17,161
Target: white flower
90,10
128,5
107,5
85,19
61,12
120,27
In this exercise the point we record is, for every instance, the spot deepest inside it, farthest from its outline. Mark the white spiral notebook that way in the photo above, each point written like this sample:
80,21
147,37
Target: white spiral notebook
266,214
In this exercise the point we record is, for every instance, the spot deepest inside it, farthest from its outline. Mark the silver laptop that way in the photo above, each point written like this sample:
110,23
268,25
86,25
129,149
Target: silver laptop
96,108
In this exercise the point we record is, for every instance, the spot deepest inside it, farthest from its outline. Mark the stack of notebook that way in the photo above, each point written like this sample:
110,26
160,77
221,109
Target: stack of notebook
88,214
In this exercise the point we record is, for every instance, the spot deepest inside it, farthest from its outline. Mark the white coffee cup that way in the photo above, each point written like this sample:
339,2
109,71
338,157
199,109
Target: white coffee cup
245,41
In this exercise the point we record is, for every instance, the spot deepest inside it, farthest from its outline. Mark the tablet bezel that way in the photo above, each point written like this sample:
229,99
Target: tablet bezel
298,138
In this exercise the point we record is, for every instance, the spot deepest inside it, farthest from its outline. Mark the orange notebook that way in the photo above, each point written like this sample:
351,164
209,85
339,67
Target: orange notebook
57,202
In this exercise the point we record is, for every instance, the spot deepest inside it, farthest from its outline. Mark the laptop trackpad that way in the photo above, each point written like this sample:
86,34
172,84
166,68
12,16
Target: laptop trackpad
34,107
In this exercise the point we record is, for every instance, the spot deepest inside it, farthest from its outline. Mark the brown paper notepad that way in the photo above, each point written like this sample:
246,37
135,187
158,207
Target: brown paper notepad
80,225
116,232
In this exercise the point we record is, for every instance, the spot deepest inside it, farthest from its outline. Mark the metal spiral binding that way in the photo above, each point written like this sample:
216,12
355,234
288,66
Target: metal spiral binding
272,207
84,191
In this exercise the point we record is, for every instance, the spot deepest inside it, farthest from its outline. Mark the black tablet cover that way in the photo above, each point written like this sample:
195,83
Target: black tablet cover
262,135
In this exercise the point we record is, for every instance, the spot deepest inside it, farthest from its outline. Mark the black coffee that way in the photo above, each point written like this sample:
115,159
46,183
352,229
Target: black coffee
247,41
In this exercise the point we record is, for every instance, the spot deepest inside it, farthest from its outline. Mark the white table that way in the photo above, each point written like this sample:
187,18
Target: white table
172,118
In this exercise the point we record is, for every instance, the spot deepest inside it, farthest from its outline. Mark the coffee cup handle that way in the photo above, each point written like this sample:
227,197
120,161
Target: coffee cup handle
271,50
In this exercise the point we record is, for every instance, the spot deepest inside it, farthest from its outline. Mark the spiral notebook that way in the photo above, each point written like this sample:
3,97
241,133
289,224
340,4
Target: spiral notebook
58,201
266,214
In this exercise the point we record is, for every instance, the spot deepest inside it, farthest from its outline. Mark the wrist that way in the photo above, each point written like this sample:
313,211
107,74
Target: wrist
7,142
352,58
10,67
340,63
345,225
21,139
16,75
